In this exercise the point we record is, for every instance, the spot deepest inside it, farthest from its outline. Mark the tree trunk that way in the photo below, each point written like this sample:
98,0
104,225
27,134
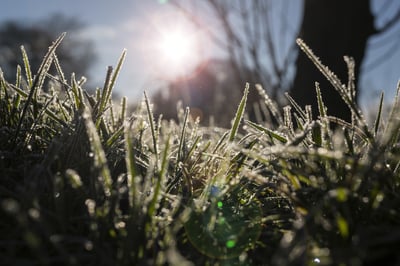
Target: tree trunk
332,29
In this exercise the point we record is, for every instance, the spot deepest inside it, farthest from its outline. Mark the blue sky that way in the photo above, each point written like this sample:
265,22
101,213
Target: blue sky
134,25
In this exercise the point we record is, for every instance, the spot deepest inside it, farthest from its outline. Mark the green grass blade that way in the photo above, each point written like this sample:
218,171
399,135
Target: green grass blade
78,94
299,122
182,137
3,87
116,73
239,114
18,77
193,147
109,83
287,118
91,99
17,100
324,129
351,86
152,127
160,179
269,103
267,131
112,117
130,166
99,110
19,91
122,116
60,73
297,107
182,141
114,137
46,63
100,160
27,66
220,142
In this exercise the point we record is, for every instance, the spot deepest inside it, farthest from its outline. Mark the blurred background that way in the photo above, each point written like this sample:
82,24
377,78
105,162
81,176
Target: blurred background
203,52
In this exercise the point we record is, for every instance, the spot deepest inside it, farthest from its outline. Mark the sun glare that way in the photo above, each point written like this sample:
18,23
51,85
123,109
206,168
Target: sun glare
177,49
173,47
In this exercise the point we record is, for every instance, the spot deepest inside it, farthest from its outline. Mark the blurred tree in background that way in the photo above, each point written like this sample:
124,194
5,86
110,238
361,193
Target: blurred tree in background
76,54
206,91
259,39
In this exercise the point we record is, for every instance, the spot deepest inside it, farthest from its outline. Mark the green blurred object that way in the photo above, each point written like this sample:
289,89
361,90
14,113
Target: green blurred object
228,227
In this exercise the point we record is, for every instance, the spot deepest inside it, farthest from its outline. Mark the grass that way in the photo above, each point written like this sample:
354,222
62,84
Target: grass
85,183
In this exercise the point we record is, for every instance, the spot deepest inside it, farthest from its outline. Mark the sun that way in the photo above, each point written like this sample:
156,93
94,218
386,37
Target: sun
176,46
177,49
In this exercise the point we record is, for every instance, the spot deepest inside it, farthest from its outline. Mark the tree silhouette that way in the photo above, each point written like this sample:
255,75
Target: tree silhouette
75,54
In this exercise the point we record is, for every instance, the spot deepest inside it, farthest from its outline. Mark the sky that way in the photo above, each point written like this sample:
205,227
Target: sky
134,25
139,27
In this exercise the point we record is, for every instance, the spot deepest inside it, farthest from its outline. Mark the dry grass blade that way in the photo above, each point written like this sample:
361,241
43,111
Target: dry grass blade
379,115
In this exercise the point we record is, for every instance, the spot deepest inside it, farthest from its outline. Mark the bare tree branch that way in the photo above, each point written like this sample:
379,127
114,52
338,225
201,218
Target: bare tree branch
257,53
197,23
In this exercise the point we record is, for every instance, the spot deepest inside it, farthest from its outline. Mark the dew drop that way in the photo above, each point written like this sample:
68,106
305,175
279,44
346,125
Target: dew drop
91,206
34,213
88,245
120,225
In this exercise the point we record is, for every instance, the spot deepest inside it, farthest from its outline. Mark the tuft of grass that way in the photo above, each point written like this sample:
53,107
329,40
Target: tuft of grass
83,182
